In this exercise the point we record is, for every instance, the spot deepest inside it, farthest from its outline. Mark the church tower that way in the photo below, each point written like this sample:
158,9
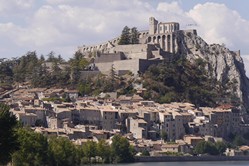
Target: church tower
153,26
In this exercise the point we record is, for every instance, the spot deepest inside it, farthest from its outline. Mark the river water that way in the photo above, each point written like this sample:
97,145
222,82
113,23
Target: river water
210,163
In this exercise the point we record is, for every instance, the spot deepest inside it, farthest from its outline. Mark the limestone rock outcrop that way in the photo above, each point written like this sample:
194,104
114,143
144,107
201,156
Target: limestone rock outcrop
224,65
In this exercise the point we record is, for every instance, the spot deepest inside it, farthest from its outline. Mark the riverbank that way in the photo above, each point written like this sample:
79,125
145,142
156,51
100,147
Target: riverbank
190,158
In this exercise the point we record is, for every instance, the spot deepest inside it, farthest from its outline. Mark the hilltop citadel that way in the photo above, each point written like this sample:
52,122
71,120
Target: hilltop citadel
158,43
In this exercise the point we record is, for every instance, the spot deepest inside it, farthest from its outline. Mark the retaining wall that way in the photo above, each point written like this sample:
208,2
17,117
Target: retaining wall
190,158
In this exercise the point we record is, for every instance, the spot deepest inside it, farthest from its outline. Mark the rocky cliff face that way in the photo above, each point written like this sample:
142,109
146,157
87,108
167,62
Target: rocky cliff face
222,64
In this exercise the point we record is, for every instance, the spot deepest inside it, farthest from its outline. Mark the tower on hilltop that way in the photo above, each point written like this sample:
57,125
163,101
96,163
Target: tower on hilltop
162,28
153,26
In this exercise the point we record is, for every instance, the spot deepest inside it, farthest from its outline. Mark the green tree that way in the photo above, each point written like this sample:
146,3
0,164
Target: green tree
180,81
103,150
164,136
51,57
8,139
145,152
200,147
41,77
134,36
42,59
125,36
56,73
121,150
113,77
77,64
239,140
60,59
84,88
33,149
62,152
206,147
6,73
221,147
24,67
90,150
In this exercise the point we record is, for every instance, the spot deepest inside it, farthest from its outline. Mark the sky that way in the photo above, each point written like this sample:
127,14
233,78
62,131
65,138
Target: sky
63,25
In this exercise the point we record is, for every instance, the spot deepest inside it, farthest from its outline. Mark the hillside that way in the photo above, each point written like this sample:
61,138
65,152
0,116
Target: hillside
205,75
183,81
221,64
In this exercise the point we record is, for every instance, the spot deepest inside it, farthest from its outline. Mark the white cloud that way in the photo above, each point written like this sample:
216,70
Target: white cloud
246,63
15,5
219,24
172,7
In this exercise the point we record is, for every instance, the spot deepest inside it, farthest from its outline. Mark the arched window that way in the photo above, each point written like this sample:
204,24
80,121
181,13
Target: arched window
168,43
149,39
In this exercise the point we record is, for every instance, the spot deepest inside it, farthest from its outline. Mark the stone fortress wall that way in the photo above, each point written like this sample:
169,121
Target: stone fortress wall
105,46
122,67
135,51
109,57
155,44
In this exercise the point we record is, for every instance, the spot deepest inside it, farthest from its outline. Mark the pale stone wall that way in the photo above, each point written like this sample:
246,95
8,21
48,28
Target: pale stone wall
145,64
109,57
162,28
168,27
128,65
104,67
153,25
90,116
172,125
138,129
206,129
88,74
105,46
54,123
27,119
109,119
179,128
64,115
131,65
135,51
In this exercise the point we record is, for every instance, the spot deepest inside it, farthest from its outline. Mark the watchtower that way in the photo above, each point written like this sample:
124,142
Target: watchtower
153,26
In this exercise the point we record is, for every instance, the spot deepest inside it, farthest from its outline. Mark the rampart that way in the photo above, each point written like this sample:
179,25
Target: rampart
105,46
133,65
135,51
88,74
109,57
